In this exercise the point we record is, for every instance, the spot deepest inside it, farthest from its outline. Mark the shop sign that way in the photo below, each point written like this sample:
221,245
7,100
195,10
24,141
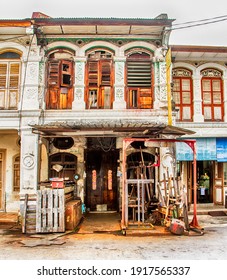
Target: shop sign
183,152
221,149
205,150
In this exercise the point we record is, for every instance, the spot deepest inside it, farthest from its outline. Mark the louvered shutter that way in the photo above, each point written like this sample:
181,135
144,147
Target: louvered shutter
139,74
53,73
3,86
14,85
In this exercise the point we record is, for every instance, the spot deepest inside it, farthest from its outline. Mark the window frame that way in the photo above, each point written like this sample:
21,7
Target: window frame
59,94
212,75
139,58
10,91
183,74
98,80
16,173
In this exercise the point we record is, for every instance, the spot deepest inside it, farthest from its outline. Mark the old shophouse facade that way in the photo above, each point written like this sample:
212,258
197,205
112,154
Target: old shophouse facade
200,93
72,89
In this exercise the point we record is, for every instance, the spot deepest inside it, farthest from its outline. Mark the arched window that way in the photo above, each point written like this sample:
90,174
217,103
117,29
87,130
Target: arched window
60,79
16,174
63,165
182,93
10,68
212,95
99,80
139,80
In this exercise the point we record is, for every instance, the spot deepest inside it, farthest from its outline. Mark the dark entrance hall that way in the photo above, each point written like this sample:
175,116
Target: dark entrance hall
101,174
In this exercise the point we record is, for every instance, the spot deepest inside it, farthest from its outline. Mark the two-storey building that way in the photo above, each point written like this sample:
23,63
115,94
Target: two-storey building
199,76
70,91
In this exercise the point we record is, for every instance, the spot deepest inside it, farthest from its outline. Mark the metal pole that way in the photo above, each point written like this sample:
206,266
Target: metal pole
194,221
123,218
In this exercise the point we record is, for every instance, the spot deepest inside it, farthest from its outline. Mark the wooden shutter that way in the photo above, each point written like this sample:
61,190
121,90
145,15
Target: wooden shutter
3,85
145,99
93,73
53,73
14,85
105,73
66,73
9,84
139,74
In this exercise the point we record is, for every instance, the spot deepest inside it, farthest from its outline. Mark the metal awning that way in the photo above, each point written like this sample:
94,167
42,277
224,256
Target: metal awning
108,129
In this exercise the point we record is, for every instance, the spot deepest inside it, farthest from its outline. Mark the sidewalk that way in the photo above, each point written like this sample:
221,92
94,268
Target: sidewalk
202,209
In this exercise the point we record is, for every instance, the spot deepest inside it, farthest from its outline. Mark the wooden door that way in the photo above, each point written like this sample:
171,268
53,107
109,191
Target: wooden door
101,179
2,192
218,191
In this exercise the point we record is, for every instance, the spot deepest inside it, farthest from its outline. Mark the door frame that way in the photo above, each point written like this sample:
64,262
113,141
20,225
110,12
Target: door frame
218,189
2,170
111,199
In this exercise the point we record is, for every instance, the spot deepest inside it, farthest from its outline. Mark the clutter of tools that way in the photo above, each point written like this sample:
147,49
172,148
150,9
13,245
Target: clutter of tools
160,203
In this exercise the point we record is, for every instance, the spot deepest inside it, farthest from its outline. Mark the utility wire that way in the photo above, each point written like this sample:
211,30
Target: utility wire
201,20
198,24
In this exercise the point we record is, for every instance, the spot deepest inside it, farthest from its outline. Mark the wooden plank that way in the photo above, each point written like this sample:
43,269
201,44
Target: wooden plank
61,213
38,211
24,216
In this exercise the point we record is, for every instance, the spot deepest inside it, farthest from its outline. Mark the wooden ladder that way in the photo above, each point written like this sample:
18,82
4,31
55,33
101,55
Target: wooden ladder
28,216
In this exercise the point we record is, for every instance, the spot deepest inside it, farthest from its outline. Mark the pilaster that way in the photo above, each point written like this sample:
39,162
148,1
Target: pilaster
29,99
79,86
119,85
197,98
160,86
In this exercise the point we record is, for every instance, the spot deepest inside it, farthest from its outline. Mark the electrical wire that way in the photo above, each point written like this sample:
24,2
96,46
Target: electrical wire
201,20
198,24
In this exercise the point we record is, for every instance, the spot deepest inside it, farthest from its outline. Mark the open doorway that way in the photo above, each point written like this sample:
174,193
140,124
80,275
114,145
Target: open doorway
101,174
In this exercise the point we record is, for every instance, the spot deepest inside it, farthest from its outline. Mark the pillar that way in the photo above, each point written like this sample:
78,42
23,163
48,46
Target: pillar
79,86
197,98
119,85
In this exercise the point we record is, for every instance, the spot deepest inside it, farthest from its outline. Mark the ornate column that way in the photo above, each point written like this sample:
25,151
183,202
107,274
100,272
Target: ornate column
29,98
79,86
197,98
119,85
29,167
160,87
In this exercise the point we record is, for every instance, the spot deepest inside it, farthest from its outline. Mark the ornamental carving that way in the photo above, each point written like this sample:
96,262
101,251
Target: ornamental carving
41,72
119,71
162,68
28,161
78,94
211,73
79,72
34,52
163,95
32,70
181,72
119,94
197,108
31,93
